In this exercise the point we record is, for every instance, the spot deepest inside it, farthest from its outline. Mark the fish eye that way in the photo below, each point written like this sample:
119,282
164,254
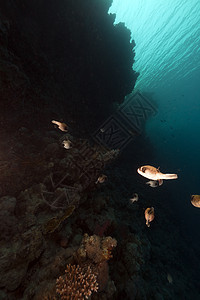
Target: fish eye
143,169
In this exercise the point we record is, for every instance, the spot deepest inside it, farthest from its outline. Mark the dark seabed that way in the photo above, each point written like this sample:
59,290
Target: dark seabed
74,130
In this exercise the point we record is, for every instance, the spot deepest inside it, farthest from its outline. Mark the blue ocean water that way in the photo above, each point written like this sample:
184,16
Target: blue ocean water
167,37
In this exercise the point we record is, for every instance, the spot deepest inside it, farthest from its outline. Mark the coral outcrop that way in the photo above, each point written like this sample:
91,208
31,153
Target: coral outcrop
95,251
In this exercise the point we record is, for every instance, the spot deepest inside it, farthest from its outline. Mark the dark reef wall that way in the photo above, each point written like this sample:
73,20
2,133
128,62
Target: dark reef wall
62,59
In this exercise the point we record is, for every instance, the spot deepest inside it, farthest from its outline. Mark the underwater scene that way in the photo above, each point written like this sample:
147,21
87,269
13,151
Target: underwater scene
100,149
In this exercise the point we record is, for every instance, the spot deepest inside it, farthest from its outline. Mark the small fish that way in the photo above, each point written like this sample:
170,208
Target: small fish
135,198
154,173
195,200
61,126
101,179
155,183
149,215
67,144
169,278
102,130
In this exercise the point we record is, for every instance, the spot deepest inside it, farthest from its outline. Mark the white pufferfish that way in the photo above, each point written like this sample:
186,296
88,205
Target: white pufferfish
153,173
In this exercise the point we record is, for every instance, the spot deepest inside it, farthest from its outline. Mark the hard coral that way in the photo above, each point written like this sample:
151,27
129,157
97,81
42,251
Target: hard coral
95,252
55,222
96,248
77,283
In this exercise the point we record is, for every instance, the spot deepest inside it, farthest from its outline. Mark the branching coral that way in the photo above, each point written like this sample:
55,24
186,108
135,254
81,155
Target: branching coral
77,283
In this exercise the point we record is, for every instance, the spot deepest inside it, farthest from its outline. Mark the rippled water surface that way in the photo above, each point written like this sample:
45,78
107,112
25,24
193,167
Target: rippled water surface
167,36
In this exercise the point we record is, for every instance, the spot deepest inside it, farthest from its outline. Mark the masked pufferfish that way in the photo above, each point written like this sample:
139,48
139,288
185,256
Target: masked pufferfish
154,173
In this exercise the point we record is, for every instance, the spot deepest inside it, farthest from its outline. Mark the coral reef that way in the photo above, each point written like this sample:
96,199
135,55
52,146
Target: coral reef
15,259
66,61
95,252
96,249
77,283
54,223
40,210
7,218
75,172
32,260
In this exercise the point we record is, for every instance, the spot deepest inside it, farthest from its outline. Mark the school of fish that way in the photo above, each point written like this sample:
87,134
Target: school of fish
154,175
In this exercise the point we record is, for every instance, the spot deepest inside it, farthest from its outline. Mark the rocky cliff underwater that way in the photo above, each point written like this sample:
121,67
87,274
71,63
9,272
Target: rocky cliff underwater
68,227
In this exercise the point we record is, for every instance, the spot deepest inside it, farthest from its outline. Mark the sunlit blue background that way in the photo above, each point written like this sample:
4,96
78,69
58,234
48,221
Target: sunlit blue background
167,37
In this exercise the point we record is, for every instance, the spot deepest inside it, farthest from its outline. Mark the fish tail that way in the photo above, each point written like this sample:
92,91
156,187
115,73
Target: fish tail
169,176
55,122
147,223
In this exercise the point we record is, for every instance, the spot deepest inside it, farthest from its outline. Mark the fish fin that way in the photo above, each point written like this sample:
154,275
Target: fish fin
55,122
169,176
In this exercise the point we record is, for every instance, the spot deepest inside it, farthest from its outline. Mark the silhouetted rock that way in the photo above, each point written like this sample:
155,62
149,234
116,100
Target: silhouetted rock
62,59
